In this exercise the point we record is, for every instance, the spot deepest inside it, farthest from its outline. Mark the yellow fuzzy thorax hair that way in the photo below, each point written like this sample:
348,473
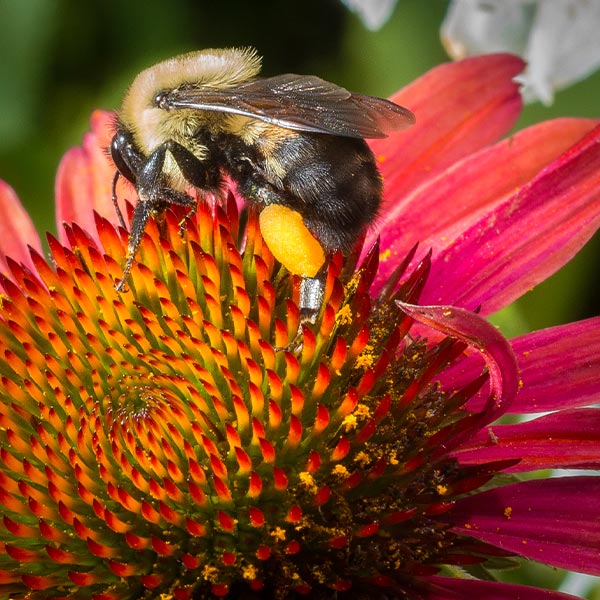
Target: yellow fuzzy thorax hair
211,68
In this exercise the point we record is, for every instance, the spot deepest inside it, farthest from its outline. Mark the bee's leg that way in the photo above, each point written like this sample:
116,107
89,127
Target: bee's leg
141,214
153,197
312,290
197,172
190,215
144,209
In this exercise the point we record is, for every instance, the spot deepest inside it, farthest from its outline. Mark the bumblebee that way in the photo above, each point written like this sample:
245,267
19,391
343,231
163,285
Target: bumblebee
293,144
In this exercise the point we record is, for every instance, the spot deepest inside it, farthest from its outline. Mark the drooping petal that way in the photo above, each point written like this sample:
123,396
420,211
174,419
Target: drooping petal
565,439
554,521
443,207
84,178
559,369
526,239
460,108
483,337
17,231
454,588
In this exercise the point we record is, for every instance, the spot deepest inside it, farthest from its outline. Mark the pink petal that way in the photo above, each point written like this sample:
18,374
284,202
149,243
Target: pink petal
565,439
526,239
483,337
84,179
460,107
443,207
554,521
454,588
17,231
559,368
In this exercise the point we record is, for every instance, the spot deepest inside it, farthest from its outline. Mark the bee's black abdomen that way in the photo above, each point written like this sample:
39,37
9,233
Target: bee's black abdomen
332,181
337,188
348,201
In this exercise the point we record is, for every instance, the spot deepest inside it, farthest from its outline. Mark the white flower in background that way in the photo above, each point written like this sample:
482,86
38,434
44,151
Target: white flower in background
560,39
373,13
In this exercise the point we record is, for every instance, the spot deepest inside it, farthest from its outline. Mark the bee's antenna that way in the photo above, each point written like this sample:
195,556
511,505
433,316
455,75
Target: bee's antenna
115,200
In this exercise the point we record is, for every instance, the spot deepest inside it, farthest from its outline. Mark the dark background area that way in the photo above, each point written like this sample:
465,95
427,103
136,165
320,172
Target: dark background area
63,58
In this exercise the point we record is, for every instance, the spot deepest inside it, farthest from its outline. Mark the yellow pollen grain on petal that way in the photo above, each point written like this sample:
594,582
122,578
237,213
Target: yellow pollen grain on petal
349,423
385,255
209,572
363,411
366,358
249,572
290,241
344,315
362,458
442,490
340,471
508,512
308,482
278,533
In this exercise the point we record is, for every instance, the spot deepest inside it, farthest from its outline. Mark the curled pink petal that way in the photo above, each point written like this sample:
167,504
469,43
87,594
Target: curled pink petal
554,521
559,369
483,337
17,232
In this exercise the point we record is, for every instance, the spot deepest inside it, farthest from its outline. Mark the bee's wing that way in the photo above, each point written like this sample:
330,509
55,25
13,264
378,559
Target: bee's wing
305,103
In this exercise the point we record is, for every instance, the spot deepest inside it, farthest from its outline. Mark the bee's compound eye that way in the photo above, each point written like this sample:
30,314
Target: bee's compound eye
290,241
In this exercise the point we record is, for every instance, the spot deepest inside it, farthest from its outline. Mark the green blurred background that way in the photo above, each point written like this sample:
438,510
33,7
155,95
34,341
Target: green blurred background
60,59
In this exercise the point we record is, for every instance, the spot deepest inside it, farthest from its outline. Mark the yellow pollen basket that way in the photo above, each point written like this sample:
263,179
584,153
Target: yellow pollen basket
290,241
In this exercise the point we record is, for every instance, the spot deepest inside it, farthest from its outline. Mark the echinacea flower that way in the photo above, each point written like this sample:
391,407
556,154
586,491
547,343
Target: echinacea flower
174,441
